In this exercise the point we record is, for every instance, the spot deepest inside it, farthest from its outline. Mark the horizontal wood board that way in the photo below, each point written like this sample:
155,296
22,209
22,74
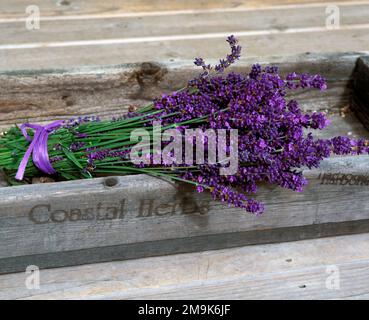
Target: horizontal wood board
76,33
292,270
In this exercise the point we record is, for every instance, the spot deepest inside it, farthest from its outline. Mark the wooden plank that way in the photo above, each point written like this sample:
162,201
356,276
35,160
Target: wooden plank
178,25
212,46
106,91
271,271
56,224
297,285
16,9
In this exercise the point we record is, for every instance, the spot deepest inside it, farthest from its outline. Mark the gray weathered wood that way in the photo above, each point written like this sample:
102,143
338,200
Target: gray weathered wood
105,91
302,284
85,221
179,24
75,33
63,55
293,270
61,9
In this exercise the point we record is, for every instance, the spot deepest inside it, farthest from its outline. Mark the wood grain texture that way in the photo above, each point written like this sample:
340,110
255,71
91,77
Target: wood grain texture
167,51
16,9
78,215
297,285
77,33
294,270
105,91
146,27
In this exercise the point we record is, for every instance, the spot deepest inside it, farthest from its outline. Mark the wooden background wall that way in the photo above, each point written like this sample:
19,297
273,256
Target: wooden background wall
94,32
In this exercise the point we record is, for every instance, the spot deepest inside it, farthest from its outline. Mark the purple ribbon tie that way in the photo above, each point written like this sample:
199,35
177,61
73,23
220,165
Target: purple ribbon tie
38,148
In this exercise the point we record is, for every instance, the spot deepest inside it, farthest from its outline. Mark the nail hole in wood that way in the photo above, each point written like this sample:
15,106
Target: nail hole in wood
110,182
64,3
67,99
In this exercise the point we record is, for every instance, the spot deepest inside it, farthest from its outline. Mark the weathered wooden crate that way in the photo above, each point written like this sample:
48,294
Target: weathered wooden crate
103,219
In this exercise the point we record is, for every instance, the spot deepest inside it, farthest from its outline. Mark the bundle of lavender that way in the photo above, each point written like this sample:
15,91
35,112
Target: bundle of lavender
236,130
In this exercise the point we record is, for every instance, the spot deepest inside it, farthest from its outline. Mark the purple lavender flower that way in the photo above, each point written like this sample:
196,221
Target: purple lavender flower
76,145
272,143
56,158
